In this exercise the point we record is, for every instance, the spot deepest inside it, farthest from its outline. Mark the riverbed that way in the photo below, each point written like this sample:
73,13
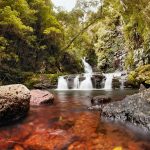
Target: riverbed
69,125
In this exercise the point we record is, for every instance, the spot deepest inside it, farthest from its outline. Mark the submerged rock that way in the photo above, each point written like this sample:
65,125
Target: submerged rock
39,97
98,100
49,140
134,108
14,102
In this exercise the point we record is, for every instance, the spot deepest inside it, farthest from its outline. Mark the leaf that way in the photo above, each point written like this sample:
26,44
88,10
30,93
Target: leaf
118,148
60,118
51,30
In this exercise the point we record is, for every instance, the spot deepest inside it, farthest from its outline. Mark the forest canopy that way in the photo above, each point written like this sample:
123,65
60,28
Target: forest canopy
37,37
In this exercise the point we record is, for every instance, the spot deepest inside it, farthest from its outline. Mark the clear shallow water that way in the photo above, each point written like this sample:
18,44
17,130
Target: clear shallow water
67,124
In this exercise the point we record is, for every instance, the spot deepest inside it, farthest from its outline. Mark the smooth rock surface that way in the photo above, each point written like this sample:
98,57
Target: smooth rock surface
39,97
14,102
134,109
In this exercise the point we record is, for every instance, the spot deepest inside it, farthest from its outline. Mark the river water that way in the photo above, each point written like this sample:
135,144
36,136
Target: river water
68,125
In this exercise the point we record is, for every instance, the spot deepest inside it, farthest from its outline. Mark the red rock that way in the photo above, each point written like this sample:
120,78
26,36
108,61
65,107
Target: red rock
49,140
39,97
78,146
85,125
18,147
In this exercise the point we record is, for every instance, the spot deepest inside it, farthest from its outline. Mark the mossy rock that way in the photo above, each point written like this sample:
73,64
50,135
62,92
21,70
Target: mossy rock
34,79
141,75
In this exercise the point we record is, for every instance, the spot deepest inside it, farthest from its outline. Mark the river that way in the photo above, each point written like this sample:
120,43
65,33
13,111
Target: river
69,125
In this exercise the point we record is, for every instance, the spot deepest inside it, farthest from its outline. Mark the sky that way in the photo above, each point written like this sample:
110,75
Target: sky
66,4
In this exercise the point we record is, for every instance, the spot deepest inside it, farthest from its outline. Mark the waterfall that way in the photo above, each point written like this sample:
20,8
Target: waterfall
108,82
87,83
109,77
76,82
62,84
122,84
123,79
87,67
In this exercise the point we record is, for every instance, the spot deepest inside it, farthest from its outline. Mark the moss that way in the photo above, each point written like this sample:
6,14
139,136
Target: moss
32,79
140,75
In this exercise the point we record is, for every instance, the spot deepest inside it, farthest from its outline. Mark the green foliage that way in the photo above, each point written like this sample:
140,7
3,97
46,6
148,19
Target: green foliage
140,75
35,38
129,62
124,26
32,79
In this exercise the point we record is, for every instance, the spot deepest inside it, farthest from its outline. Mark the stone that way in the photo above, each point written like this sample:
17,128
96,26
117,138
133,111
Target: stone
127,84
142,88
44,86
39,97
134,109
96,107
98,100
14,102
48,140
97,80
116,83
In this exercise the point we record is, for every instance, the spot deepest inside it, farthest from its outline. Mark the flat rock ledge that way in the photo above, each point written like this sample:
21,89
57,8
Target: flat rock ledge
14,102
134,109
40,97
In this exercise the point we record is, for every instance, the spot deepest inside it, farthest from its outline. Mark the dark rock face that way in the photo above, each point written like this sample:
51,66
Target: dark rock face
97,80
116,83
14,102
39,97
127,84
135,109
98,100
70,81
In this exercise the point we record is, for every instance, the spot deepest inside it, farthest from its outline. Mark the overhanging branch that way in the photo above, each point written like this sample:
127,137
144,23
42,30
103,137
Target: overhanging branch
81,32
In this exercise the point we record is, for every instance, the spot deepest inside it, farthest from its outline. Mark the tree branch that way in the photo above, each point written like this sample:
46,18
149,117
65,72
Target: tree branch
81,32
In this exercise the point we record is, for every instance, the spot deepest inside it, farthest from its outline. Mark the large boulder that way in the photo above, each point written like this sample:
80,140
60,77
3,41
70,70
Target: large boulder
14,102
39,97
98,102
134,109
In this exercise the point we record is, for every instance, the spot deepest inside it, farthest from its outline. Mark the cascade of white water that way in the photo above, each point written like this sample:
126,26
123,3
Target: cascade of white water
109,78
123,79
87,67
108,82
62,84
76,82
87,83
122,84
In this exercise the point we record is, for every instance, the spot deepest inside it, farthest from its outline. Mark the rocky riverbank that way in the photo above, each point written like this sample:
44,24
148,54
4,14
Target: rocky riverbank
134,109
15,101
